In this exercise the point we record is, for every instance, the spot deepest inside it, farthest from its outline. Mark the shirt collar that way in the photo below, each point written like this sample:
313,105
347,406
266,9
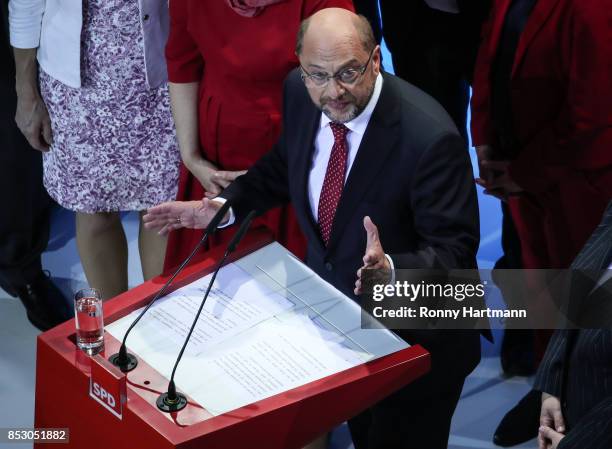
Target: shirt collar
360,123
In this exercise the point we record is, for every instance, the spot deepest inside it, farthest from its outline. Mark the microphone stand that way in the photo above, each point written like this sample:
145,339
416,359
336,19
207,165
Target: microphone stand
126,361
173,401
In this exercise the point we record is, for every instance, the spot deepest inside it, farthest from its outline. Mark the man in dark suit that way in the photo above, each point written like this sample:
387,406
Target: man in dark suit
362,151
575,375
24,228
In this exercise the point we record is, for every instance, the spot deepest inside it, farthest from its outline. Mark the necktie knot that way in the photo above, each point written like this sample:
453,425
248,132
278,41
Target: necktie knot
340,131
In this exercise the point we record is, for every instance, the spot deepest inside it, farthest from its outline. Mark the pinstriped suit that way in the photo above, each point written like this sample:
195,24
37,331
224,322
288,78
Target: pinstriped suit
577,366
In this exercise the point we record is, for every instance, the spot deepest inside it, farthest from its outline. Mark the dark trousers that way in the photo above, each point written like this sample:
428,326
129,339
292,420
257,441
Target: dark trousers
510,242
434,50
409,419
428,50
369,9
24,224
419,415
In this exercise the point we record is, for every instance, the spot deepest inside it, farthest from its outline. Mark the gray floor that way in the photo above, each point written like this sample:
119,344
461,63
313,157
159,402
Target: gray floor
485,398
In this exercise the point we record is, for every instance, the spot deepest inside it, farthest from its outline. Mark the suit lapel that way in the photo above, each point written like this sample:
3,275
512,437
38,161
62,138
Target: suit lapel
308,134
376,145
537,18
589,265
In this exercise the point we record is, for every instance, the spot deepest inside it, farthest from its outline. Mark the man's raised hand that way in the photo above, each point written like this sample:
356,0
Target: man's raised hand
374,258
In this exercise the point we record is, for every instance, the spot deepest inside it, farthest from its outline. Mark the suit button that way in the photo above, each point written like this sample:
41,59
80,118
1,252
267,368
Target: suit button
329,266
146,17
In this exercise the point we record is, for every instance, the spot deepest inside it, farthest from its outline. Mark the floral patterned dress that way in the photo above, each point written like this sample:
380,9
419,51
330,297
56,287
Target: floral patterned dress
114,145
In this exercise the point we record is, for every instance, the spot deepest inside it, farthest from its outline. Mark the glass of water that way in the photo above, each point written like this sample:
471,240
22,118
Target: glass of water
89,320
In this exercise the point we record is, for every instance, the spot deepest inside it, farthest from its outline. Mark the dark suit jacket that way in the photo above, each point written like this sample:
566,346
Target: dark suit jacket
411,175
577,367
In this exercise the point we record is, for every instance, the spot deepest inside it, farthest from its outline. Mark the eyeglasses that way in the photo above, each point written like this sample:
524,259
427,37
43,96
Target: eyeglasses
346,77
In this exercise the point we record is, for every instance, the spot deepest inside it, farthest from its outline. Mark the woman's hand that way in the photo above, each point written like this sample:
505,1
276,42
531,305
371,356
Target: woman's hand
224,179
212,179
501,185
33,121
484,153
184,101
32,117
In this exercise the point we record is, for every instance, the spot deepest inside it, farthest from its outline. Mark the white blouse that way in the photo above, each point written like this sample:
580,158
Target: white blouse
54,27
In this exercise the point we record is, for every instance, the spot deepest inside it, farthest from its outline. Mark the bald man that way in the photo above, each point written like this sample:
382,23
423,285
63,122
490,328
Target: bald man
372,166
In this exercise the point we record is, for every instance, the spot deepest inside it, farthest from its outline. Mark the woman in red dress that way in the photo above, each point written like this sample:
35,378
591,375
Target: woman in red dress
227,60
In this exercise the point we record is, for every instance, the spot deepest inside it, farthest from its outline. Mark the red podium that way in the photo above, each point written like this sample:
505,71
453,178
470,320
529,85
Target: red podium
285,421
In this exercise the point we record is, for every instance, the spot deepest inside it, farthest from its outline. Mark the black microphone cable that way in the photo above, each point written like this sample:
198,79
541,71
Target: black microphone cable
172,401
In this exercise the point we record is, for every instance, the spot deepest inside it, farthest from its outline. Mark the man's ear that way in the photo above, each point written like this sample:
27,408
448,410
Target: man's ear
376,60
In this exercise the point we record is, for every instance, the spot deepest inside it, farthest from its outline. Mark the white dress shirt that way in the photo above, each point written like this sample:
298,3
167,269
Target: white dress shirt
55,27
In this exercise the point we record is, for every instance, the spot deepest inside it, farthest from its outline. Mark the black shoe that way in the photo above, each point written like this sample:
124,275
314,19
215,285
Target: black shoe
517,353
521,423
44,303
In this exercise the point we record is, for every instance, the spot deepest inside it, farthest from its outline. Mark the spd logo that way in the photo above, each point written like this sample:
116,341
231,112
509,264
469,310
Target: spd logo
107,386
103,395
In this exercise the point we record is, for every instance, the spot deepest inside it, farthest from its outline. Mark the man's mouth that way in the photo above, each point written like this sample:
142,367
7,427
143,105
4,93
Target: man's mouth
337,104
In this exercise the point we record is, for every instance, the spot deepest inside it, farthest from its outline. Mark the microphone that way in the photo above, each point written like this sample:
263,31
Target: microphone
172,401
126,361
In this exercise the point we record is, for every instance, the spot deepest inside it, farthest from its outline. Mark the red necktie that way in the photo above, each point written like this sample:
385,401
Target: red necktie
334,180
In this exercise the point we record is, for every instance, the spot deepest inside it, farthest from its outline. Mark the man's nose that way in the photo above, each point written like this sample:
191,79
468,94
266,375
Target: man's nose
334,88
